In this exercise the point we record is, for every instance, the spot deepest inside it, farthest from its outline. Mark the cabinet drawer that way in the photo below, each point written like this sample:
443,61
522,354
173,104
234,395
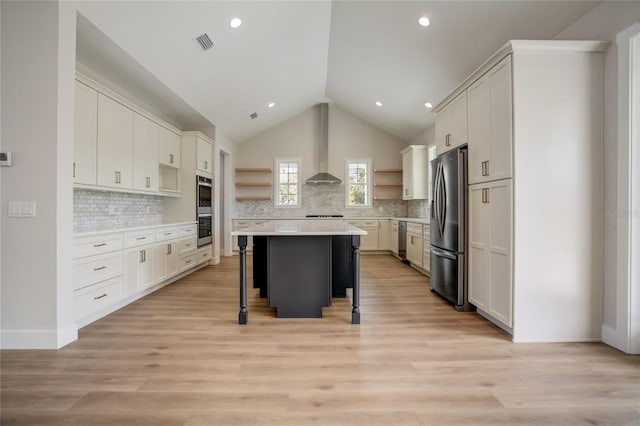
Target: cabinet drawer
204,254
91,270
168,233
98,296
187,230
416,228
354,222
139,238
369,223
97,244
239,224
186,245
186,262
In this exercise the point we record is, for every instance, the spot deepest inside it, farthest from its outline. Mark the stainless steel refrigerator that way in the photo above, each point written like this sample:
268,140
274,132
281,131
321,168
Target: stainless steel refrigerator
449,227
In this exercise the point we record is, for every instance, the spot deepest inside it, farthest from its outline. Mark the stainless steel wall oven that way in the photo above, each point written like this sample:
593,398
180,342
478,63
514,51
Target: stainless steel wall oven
204,210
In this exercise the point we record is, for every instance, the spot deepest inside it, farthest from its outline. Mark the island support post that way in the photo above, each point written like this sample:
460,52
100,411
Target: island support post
355,261
243,315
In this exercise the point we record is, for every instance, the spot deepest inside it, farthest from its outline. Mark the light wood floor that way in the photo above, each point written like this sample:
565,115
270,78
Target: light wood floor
178,357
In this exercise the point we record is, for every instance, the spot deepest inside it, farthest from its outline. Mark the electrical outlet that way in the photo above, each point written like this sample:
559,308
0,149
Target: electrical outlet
6,159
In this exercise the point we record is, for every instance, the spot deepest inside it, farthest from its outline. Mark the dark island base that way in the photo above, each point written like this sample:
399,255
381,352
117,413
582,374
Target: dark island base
299,275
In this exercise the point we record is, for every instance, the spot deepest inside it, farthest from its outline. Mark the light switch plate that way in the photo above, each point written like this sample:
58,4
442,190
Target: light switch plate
22,209
6,159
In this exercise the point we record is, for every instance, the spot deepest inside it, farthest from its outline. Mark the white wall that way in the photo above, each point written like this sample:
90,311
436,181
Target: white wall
38,57
349,137
222,231
603,23
428,137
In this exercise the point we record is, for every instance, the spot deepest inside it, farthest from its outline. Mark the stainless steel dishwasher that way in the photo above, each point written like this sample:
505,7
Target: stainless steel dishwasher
402,239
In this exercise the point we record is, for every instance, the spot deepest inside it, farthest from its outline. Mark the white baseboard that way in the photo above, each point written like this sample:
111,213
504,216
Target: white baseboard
39,339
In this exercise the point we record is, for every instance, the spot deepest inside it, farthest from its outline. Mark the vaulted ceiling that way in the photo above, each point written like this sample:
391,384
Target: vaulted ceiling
300,53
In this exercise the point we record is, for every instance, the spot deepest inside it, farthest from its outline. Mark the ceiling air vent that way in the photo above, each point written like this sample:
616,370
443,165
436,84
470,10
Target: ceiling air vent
254,115
204,41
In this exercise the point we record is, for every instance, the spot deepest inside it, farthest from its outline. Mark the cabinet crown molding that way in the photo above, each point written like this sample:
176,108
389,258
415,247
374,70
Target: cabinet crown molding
514,46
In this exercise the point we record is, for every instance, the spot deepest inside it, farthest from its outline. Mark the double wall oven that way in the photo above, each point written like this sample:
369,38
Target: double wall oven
204,210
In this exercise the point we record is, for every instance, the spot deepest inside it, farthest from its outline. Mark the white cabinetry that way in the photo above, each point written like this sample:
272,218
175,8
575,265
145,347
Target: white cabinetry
490,245
414,244
394,237
426,247
490,125
85,136
138,260
204,154
169,148
115,143
535,169
145,153
451,124
415,185
384,234
369,241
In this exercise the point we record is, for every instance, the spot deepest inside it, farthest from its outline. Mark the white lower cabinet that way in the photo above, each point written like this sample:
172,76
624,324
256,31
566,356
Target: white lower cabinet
166,259
138,269
426,246
369,241
384,232
393,235
414,244
109,267
490,249
97,297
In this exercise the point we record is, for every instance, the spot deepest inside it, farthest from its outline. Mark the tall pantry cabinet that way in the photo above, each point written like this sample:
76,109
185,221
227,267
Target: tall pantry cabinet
534,123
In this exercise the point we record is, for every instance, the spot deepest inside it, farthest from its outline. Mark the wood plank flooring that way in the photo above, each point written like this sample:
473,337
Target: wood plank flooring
179,358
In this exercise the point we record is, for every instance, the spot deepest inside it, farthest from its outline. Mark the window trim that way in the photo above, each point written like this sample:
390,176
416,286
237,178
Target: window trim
276,186
369,197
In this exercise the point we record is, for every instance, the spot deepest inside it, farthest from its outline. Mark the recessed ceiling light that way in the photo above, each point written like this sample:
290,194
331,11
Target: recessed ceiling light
428,105
379,103
235,22
271,104
424,21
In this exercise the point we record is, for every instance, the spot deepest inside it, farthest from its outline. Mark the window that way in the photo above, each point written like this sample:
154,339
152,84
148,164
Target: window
431,154
358,182
287,188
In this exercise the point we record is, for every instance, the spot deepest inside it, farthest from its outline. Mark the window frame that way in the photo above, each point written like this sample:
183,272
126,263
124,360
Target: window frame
369,184
276,186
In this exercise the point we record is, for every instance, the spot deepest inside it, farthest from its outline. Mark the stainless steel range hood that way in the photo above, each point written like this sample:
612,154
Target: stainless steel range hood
323,177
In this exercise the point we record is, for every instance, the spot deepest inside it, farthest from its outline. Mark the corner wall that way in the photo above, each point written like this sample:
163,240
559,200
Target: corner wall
38,66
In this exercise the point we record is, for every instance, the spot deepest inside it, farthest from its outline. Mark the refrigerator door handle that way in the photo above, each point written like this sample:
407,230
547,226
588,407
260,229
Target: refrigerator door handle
442,205
438,252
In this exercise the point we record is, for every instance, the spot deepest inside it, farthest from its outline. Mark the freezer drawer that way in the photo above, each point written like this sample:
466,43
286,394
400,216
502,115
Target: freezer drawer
448,277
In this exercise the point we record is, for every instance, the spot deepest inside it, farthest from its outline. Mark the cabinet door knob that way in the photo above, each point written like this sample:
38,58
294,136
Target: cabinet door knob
74,169
170,158
148,182
206,164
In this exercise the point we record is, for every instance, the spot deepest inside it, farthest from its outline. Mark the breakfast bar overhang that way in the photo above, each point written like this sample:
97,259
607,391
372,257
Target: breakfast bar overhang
299,258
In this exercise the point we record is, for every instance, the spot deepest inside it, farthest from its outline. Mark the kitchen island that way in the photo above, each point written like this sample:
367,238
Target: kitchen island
297,260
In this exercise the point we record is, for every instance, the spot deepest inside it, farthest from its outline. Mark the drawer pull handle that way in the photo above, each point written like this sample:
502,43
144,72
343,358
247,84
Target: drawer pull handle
100,268
188,245
167,233
170,158
141,238
169,249
189,261
100,297
100,245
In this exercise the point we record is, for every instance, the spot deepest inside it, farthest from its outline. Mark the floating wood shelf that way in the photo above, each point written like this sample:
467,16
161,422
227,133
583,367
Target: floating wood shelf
387,170
253,170
253,197
387,184
387,198
254,184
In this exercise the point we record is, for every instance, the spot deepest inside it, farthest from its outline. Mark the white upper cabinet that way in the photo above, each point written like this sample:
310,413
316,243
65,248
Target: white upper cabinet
115,144
451,124
204,154
169,149
85,136
415,184
145,153
490,125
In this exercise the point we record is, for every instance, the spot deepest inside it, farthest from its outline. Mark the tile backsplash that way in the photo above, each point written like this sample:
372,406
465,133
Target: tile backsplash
319,199
101,210
418,208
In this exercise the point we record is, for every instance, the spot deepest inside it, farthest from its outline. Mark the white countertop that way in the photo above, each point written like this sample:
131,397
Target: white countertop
300,228
132,228
422,220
